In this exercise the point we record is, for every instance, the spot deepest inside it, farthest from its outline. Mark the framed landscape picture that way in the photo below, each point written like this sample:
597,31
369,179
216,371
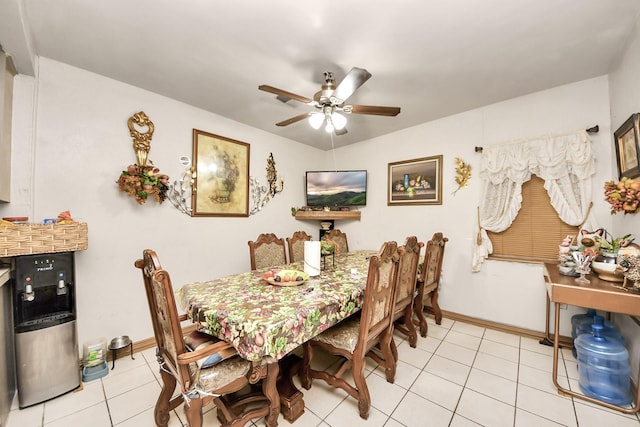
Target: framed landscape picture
415,182
221,185
627,149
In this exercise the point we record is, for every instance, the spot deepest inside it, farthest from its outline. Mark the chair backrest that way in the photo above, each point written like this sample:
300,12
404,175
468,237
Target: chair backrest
296,245
164,314
268,250
340,239
376,315
432,265
407,272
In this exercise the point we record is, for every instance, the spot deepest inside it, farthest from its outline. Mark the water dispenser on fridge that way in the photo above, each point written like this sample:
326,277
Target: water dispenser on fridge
46,341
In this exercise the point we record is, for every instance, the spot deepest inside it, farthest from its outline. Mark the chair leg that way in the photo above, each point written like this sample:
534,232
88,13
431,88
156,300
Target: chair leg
436,308
418,311
193,412
364,399
162,409
305,370
387,344
394,350
411,328
270,390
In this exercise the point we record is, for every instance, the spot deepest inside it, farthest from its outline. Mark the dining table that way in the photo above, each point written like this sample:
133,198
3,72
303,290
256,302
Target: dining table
268,321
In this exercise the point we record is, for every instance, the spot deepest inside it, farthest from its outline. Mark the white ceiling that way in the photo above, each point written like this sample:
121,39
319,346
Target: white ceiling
432,58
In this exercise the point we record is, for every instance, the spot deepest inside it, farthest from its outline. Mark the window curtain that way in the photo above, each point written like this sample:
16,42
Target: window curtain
564,162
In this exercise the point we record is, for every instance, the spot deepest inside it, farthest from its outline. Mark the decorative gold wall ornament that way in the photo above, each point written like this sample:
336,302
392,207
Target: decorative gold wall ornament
141,141
141,180
463,174
260,195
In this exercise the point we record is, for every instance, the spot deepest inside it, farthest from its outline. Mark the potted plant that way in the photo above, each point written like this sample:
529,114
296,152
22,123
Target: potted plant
608,246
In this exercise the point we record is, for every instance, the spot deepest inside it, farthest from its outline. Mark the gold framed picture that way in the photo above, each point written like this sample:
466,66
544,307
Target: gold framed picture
415,182
221,183
627,149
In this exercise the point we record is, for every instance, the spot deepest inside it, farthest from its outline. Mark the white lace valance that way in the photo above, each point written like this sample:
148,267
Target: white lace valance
564,162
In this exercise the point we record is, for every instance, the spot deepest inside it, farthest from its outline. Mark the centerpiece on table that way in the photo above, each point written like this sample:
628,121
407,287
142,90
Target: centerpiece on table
327,248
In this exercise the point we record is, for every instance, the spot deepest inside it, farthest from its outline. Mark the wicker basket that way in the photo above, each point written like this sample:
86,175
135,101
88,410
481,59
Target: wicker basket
28,239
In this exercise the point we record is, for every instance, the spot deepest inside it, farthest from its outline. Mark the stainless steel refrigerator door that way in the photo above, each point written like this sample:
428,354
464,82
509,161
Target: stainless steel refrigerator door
47,363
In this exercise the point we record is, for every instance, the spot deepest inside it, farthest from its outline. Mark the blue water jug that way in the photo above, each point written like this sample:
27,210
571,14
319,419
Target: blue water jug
608,330
603,368
578,319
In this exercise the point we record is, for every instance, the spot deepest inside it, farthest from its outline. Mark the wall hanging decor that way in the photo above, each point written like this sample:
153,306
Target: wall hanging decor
140,180
463,174
260,195
627,147
415,182
623,196
221,181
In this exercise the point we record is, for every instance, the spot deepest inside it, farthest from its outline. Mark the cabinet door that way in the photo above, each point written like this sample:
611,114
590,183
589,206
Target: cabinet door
7,71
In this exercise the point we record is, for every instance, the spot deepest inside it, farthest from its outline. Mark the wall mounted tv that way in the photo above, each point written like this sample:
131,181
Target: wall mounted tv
336,188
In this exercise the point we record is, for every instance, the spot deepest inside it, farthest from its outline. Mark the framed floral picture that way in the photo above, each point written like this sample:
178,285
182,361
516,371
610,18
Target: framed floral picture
627,148
221,183
415,182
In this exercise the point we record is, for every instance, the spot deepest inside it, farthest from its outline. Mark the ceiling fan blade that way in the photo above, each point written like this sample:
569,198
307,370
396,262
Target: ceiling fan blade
285,94
352,81
293,119
372,109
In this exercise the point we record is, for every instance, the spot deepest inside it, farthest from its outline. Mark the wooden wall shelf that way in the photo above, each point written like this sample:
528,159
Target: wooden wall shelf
324,215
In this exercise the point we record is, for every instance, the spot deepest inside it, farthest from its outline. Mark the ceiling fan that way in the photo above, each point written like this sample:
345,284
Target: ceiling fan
330,102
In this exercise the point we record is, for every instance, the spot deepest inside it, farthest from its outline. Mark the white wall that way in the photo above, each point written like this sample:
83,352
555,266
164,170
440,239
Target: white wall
82,145
625,100
505,292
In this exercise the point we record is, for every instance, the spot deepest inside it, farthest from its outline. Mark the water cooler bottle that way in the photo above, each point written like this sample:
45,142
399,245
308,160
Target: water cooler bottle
44,314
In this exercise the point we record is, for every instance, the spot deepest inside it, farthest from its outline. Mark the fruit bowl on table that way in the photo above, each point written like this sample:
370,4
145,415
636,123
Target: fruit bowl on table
285,277
607,271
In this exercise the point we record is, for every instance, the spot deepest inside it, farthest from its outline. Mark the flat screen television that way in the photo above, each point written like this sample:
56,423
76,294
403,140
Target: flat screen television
336,188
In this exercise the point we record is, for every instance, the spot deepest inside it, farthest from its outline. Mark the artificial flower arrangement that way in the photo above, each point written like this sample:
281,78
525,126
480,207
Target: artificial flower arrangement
623,196
143,182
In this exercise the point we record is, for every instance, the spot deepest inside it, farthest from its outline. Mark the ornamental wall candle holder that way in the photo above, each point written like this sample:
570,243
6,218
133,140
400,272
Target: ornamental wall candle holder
261,195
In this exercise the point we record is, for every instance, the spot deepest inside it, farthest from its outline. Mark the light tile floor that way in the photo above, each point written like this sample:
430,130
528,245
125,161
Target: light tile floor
460,375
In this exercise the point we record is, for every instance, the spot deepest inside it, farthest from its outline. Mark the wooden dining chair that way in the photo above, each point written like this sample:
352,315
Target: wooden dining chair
340,239
428,281
296,245
355,338
406,291
268,250
205,369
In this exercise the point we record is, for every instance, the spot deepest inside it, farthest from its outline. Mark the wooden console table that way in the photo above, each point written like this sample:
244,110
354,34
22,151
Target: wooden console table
599,295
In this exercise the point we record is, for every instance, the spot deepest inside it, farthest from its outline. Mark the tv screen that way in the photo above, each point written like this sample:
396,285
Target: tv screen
336,188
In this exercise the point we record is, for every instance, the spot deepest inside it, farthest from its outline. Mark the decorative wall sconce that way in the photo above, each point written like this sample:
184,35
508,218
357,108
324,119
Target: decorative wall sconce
141,180
260,195
179,193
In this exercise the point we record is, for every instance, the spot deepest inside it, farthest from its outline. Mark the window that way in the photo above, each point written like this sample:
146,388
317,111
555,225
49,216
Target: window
536,232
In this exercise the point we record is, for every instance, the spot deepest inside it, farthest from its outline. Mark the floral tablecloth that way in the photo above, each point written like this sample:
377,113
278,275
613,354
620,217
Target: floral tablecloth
261,320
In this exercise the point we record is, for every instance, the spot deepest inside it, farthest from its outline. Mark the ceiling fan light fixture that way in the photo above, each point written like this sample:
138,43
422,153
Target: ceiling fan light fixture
316,119
329,127
339,121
